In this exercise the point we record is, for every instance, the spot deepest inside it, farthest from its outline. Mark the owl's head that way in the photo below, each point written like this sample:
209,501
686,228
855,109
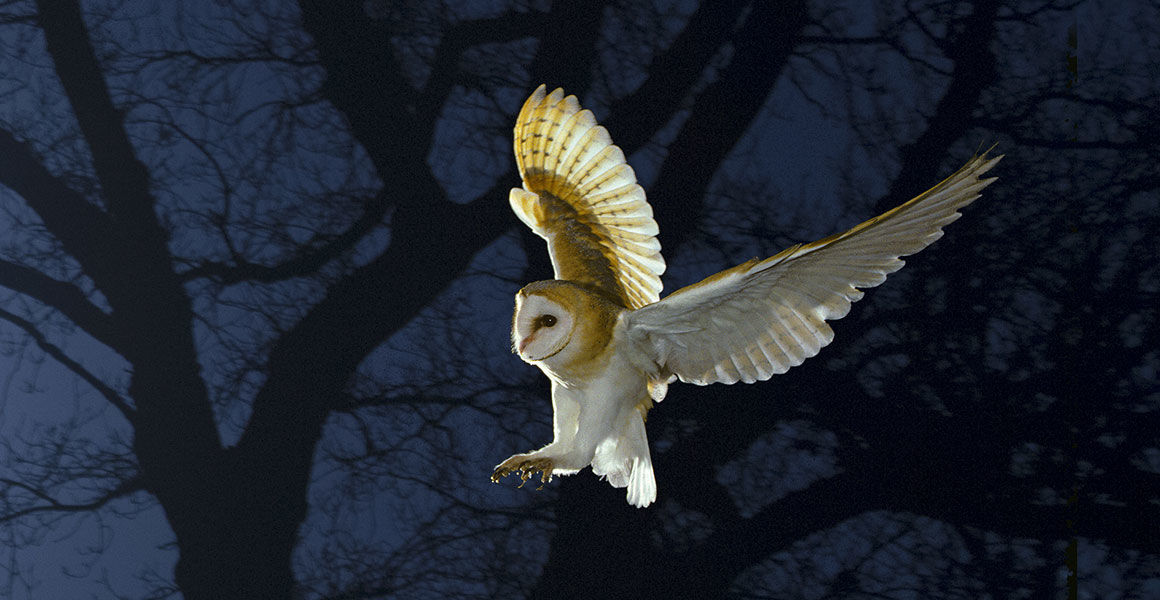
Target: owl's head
560,323
541,326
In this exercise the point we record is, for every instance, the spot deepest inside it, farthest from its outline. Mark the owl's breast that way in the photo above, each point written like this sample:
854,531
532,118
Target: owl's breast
577,371
610,376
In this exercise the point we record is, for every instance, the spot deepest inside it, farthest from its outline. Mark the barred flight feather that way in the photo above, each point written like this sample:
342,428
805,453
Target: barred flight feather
564,156
791,295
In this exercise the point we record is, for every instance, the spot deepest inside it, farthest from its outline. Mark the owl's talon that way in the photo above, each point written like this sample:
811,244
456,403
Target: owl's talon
525,468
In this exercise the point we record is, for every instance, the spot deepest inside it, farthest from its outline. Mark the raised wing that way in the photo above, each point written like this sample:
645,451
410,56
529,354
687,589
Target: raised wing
581,196
762,317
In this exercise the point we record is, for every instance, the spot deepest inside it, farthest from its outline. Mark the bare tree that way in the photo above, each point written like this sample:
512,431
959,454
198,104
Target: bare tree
271,249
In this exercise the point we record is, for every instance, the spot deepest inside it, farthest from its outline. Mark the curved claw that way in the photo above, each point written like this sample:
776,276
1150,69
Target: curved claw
527,468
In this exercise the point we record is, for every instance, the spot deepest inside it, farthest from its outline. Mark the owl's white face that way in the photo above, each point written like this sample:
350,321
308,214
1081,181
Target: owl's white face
541,328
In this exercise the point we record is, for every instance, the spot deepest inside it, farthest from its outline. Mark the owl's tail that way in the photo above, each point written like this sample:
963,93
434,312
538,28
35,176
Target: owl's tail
625,461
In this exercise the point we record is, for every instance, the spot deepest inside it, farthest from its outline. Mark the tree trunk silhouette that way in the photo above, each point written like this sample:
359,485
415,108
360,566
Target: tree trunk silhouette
301,315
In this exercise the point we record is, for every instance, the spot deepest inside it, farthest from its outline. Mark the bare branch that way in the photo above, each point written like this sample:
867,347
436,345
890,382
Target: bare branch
124,179
974,71
56,353
306,260
84,230
53,505
62,296
462,36
637,117
762,47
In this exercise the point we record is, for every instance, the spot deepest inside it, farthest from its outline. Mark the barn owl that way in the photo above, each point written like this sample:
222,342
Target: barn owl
611,346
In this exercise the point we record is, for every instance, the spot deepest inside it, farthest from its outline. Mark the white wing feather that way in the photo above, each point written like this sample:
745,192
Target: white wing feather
760,318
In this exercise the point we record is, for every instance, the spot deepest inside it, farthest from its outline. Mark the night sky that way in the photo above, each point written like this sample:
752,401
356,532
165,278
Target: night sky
258,262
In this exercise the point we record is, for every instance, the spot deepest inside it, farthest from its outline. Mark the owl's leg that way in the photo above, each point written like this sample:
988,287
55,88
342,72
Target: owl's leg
526,465
562,456
554,459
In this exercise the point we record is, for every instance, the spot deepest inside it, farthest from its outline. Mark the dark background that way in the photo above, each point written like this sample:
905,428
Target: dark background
257,267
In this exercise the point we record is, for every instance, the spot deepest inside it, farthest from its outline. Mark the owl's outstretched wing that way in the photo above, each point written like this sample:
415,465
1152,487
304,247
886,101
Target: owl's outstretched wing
580,195
762,317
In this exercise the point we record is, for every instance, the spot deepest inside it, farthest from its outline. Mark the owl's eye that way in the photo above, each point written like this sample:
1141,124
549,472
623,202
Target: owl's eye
547,320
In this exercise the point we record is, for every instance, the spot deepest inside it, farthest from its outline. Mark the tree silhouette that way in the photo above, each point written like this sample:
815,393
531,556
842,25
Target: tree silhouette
274,239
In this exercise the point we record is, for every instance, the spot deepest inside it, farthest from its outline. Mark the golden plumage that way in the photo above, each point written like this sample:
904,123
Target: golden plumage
582,198
611,347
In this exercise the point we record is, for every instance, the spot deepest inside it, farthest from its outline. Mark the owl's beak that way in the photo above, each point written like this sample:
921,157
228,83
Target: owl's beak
524,344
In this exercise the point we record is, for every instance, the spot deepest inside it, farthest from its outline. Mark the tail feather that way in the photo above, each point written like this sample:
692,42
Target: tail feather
625,462
642,484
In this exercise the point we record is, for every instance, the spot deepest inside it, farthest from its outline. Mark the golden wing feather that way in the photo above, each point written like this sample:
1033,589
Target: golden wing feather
581,196
762,317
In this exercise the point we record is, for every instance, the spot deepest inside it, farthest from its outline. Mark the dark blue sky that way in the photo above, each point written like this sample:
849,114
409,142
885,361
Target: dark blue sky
962,360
